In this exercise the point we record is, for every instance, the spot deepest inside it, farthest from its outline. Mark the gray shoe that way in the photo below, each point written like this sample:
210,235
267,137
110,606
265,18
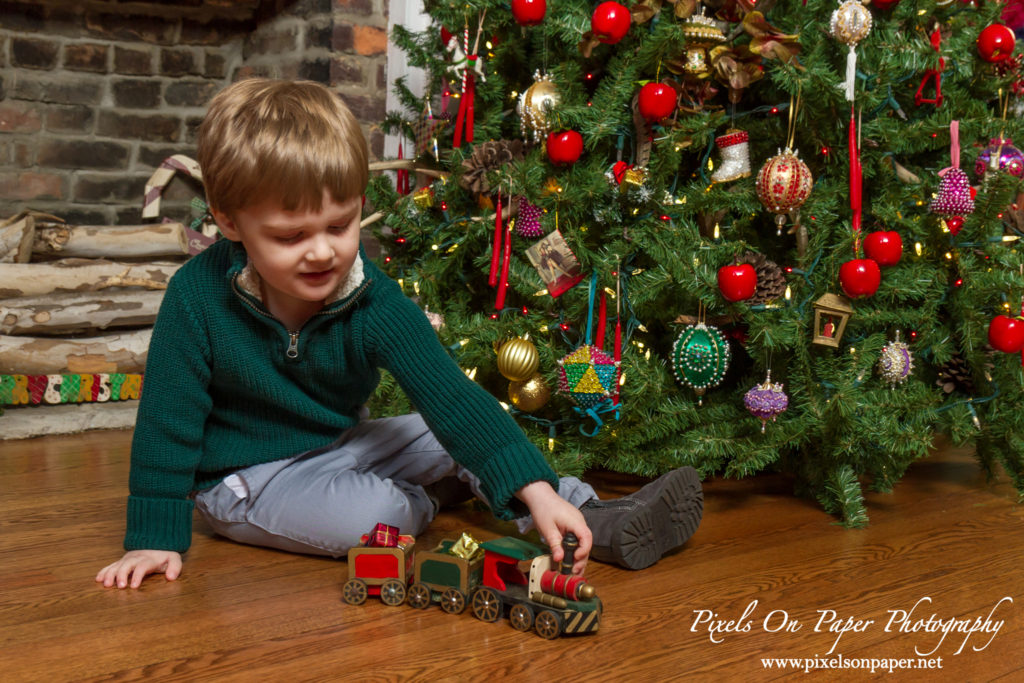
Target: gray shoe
635,531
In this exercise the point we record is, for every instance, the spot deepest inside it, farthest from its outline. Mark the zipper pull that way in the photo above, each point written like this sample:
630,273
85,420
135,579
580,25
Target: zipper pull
293,345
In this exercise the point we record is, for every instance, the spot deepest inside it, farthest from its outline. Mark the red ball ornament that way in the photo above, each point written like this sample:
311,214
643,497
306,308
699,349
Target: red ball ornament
884,248
884,4
996,42
737,282
529,12
1006,334
860,277
564,147
610,22
656,101
955,223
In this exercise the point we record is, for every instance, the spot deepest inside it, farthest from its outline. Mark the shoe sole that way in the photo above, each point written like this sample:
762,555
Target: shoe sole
663,525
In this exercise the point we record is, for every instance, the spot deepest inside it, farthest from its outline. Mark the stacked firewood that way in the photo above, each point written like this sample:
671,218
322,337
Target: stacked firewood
77,305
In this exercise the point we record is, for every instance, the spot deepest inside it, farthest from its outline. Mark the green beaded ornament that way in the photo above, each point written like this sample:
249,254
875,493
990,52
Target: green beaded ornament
700,357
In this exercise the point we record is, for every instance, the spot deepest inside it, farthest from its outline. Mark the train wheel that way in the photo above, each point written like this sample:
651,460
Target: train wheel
354,592
486,605
419,596
548,625
392,593
453,601
520,617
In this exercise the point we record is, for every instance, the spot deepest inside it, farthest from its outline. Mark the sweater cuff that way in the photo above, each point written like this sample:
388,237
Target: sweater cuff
158,524
499,484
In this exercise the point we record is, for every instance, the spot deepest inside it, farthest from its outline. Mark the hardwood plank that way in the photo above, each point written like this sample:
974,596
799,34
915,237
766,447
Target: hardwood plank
238,613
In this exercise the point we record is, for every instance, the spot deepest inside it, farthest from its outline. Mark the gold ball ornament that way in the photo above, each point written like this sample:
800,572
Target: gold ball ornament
536,107
784,184
518,359
851,22
531,395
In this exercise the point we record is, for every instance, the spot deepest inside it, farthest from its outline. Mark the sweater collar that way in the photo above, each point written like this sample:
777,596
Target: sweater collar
249,280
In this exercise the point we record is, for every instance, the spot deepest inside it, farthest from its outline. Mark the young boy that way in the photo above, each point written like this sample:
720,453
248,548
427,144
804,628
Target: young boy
268,344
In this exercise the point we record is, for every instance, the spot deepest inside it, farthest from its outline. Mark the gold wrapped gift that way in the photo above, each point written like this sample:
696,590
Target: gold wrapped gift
467,548
424,198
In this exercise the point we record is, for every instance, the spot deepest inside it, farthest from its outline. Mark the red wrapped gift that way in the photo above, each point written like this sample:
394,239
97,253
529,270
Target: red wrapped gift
383,536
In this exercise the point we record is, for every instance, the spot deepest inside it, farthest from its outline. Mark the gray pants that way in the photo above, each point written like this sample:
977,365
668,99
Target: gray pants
322,501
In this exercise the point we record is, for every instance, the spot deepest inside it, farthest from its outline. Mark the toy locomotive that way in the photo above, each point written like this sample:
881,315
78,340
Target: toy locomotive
502,577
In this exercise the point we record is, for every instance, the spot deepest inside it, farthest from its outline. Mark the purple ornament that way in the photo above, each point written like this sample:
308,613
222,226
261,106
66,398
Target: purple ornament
1000,155
766,400
954,196
528,223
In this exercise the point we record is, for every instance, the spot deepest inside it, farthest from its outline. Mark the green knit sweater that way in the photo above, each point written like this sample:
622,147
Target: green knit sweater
222,392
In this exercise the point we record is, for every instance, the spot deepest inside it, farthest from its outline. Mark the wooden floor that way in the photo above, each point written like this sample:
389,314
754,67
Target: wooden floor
946,543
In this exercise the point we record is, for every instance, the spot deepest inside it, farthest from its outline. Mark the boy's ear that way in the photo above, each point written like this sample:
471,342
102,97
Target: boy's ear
226,225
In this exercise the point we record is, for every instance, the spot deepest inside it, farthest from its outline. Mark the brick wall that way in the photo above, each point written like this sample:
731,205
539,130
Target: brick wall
94,94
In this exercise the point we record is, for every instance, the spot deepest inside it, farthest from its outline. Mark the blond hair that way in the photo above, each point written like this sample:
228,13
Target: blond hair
286,140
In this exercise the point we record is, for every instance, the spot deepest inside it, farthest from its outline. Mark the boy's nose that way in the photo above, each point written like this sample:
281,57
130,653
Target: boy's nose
320,250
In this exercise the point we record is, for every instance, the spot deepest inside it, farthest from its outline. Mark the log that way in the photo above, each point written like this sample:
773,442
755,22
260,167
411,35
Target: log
79,312
81,275
102,241
124,352
29,421
17,234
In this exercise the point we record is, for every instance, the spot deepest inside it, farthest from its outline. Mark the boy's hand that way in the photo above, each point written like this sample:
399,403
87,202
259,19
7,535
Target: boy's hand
554,517
136,564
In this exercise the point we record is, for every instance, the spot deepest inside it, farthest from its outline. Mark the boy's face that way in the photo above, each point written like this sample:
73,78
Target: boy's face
301,256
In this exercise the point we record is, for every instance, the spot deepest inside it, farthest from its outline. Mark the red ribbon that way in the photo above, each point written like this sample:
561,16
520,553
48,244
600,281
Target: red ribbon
929,74
499,302
464,119
492,278
402,175
855,183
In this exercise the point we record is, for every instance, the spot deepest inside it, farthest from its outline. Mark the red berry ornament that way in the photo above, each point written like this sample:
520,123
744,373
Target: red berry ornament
565,147
656,101
737,282
529,12
996,42
884,248
1006,334
860,277
955,223
610,22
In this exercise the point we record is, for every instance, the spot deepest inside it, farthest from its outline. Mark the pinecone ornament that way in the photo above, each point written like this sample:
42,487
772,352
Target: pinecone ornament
771,281
486,157
955,375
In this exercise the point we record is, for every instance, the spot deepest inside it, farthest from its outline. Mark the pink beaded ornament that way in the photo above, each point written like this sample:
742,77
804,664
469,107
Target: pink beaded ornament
528,223
954,195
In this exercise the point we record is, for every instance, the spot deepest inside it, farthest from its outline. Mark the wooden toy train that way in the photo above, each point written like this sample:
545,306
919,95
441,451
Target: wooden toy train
505,576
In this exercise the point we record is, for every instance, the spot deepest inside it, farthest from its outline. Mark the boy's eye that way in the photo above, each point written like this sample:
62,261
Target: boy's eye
289,239
337,229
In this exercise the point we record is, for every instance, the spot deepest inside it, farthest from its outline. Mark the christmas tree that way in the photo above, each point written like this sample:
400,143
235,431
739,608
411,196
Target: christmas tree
741,236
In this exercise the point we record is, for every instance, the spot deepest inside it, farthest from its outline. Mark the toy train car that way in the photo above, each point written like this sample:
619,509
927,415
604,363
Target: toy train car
445,578
513,578
382,571
551,602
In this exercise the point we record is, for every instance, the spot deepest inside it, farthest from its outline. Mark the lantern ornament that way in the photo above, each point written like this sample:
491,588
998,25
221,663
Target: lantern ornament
536,106
701,33
831,313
